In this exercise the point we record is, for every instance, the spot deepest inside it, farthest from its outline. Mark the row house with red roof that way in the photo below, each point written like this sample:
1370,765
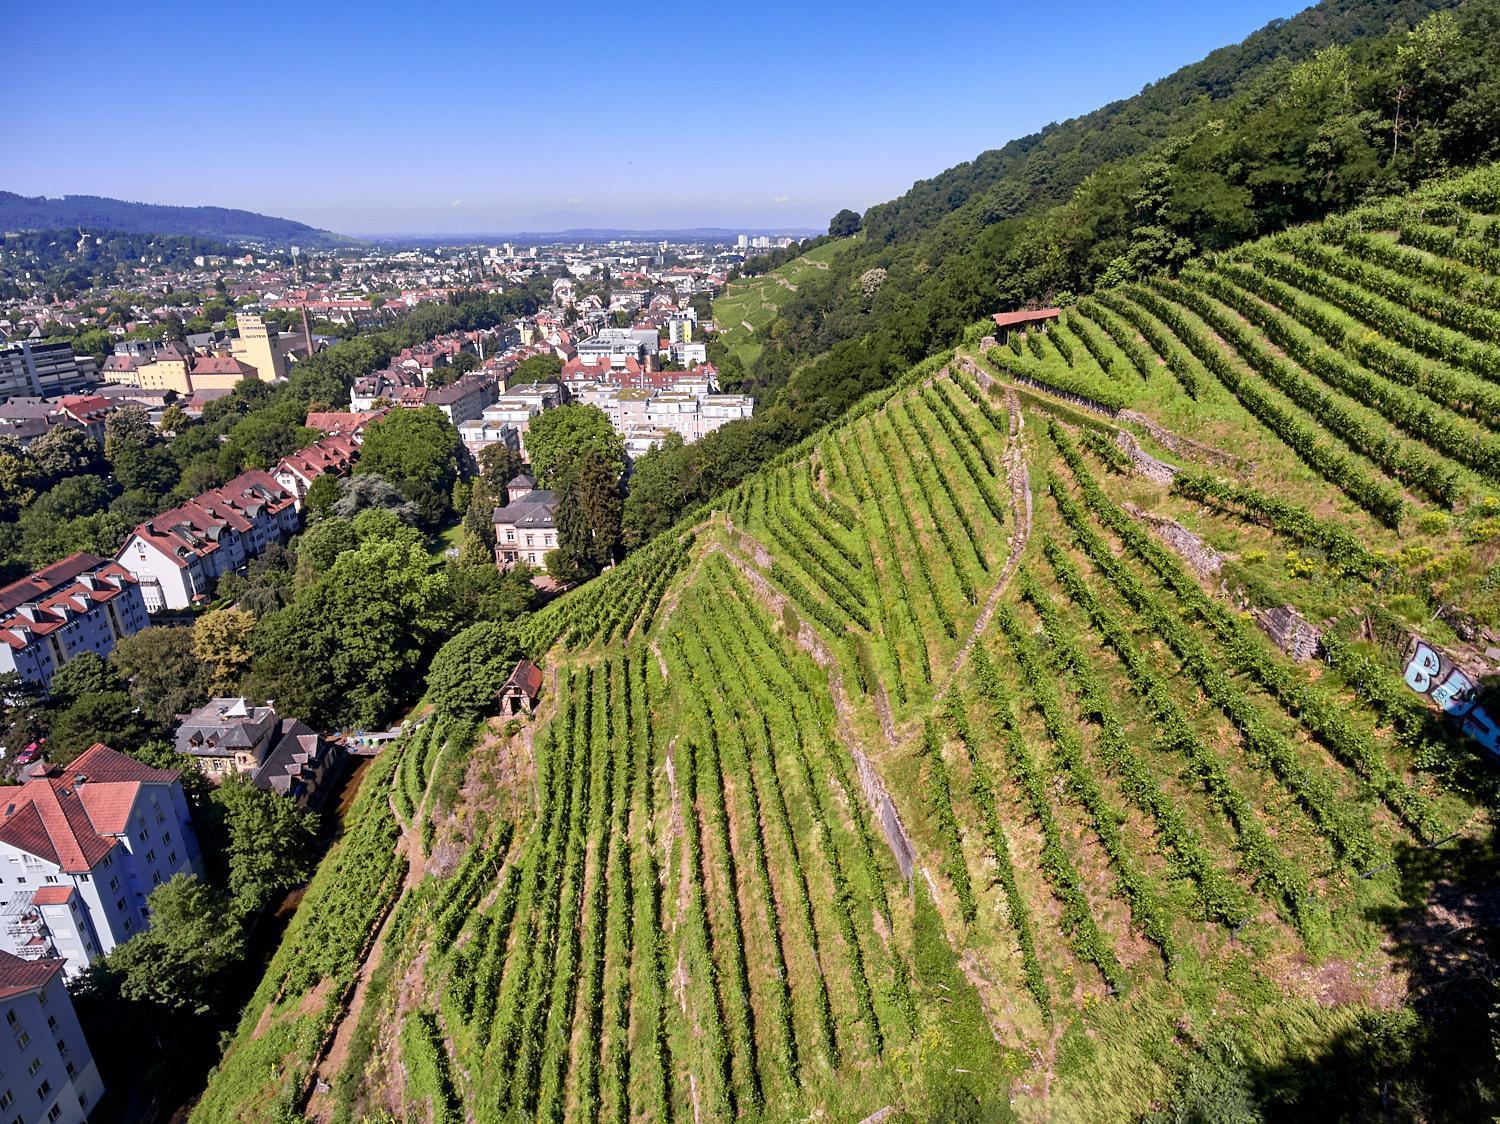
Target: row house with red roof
81,604
81,848
296,471
179,556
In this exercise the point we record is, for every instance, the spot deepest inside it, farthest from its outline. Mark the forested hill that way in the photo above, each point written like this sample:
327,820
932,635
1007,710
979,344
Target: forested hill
1046,167
1349,100
21,212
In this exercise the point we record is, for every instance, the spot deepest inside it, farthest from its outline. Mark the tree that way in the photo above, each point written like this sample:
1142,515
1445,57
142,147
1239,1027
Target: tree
418,451
844,224
319,546
357,493
85,674
556,438
499,464
469,670
174,419
63,451
267,842
129,425
479,516
162,673
538,368
351,647
110,717
178,964
322,494
221,639
588,518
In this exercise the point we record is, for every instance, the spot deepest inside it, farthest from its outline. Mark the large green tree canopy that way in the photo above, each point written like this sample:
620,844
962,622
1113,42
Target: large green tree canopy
419,451
350,649
557,437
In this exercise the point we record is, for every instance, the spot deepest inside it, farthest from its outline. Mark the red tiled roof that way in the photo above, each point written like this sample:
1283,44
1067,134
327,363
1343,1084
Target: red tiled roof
331,454
526,676
18,976
195,527
335,422
52,895
59,593
58,818
1025,316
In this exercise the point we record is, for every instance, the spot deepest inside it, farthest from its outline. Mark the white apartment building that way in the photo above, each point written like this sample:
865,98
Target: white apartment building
81,848
47,1071
179,556
509,417
82,604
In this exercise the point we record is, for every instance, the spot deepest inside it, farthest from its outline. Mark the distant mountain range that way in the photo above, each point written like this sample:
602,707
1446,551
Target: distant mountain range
95,212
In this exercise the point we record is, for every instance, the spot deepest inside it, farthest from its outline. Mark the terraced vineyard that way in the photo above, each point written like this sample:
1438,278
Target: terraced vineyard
942,765
748,307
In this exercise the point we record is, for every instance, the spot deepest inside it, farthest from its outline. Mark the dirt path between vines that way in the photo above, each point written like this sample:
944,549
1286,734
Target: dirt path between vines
1019,477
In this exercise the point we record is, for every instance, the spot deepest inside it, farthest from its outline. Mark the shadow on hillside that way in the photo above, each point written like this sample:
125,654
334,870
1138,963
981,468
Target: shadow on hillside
1436,1059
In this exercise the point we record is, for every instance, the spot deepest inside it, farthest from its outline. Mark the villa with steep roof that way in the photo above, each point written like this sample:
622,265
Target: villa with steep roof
81,848
282,755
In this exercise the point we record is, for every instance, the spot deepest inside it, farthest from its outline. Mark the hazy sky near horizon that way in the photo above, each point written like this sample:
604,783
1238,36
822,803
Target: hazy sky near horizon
470,117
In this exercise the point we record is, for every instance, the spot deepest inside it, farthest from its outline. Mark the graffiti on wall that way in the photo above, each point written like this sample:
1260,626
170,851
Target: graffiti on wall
1430,672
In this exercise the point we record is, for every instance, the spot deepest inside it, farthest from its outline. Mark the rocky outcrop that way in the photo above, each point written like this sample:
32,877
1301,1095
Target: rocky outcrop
1290,631
1158,472
1204,560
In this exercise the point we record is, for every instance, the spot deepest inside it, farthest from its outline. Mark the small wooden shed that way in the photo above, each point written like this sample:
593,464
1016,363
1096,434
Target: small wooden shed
519,694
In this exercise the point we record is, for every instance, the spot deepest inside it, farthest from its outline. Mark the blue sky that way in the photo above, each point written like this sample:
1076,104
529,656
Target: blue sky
449,117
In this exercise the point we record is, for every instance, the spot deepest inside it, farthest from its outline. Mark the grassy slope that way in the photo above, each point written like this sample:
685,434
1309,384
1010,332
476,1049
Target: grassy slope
748,307
696,775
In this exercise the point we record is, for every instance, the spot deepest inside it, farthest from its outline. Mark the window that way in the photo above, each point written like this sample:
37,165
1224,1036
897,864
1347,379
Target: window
166,837
62,1052
172,858
43,1089
36,1064
54,1112
114,883
120,905
7,1099
151,855
43,998
50,878
51,1022
84,878
11,1017
108,860
22,1039
141,835
156,878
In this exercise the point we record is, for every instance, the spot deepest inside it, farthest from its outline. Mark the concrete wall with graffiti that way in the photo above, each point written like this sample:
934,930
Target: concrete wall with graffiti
1431,672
